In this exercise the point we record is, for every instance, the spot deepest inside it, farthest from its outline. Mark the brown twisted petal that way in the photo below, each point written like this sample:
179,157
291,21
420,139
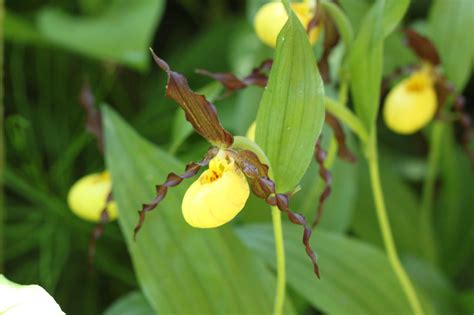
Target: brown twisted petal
232,83
199,112
444,89
331,39
264,187
172,180
93,116
465,122
342,150
320,157
98,230
422,46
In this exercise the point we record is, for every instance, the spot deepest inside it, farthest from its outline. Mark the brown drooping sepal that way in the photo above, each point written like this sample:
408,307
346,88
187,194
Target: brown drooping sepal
342,150
173,180
264,187
422,46
99,230
199,112
93,116
444,90
232,83
320,157
331,39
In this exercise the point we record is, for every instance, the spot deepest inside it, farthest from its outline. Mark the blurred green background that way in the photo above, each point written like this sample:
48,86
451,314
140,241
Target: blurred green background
52,47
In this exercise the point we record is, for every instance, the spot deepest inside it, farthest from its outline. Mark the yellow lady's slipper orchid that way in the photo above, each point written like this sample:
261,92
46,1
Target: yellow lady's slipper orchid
88,196
218,195
272,16
411,104
251,131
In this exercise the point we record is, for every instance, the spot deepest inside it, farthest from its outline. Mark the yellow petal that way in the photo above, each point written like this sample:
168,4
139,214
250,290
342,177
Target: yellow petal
251,131
271,18
88,196
217,196
411,104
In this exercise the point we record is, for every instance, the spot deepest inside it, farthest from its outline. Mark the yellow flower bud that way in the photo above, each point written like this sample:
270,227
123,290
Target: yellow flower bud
218,195
411,104
272,16
251,131
88,196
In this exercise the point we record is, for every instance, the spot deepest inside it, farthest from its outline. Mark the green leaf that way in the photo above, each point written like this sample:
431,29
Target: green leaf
291,112
20,30
454,218
121,34
449,22
365,64
435,286
366,58
181,270
355,278
132,303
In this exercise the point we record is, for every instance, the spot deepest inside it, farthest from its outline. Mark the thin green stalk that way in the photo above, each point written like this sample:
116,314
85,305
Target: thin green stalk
247,144
384,224
347,117
426,208
280,254
2,152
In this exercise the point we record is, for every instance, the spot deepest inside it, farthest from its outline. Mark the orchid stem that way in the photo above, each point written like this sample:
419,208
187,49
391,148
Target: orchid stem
387,236
280,260
247,144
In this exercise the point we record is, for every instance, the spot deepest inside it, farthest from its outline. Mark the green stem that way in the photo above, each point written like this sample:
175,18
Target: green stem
2,153
384,224
426,208
347,117
280,254
247,144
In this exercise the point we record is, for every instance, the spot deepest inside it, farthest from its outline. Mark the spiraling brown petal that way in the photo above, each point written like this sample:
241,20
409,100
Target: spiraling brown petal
93,116
232,83
172,180
422,46
331,38
199,112
320,157
98,230
342,150
257,173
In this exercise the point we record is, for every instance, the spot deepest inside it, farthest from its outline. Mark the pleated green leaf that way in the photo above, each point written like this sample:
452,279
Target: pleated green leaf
449,21
181,270
356,278
291,112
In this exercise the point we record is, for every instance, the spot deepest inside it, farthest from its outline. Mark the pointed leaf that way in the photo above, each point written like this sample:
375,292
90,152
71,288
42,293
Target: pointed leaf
449,21
366,57
291,112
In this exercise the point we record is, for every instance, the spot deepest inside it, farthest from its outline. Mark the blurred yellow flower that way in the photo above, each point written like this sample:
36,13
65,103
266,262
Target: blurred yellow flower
218,195
251,131
272,16
411,104
88,196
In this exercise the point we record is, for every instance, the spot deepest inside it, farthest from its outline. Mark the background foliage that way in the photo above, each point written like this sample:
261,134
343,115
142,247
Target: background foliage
53,46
